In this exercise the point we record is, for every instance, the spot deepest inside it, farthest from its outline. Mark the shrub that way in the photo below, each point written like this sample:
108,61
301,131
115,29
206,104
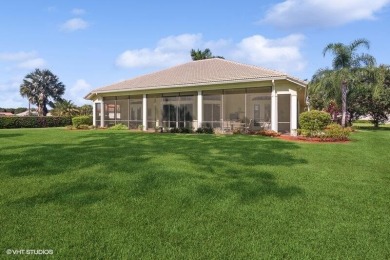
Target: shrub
180,130
119,127
83,127
303,132
314,121
174,130
205,130
34,121
271,133
184,130
335,132
81,120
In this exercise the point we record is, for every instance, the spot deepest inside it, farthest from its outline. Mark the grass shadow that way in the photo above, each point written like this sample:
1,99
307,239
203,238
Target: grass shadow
204,165
81,192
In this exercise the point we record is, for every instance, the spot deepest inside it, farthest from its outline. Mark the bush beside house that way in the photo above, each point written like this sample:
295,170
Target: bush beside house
78,121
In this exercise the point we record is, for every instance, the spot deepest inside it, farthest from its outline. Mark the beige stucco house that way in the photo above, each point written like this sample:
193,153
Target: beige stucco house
216,93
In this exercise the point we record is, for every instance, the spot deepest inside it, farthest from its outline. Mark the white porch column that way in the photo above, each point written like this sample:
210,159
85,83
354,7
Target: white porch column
102,113
94,113
144,113
274,108
293,113
200,109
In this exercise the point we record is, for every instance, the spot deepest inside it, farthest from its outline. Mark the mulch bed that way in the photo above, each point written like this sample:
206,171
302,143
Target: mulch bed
308,139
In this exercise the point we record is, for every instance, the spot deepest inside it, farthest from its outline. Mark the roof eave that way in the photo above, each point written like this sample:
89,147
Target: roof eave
190,85
90,96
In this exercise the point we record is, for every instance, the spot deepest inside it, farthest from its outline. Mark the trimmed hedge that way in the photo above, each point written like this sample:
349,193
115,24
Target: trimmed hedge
82,120
34,121
314,121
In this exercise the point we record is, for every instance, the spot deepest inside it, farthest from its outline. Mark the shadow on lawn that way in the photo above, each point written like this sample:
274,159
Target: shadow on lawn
372,128
8,135
207,166
81,192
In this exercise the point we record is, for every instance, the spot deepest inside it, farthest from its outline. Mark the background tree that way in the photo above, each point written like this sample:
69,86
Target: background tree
86,110
334,83
41,87
202,55
64,108
372,96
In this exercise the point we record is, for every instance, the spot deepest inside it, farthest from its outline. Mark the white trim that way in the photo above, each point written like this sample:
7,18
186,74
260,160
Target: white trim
94,114
200,109
102,113
144,113
293,113
222,83
274,108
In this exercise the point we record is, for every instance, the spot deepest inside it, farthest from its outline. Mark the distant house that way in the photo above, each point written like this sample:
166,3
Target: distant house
6,114
214,93
26,113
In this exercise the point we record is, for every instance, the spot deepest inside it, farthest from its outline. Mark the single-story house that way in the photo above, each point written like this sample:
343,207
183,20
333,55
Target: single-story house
216,93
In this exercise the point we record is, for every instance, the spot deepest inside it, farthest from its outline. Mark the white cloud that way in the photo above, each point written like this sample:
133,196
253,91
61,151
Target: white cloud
10,96
22,60
17,56
77,92
179,42
78,11
74,25
32,63
321,13
169,51
281,54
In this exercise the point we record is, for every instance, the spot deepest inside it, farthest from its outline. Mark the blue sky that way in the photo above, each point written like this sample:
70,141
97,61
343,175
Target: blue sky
89,44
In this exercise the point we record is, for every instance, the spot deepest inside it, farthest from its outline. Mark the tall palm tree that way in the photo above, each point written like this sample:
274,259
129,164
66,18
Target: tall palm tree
203,55
41,87
345,65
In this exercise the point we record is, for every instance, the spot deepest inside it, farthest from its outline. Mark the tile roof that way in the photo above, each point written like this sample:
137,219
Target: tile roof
202,72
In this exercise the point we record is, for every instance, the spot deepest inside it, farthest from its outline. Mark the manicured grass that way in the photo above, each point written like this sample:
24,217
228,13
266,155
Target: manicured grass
117,194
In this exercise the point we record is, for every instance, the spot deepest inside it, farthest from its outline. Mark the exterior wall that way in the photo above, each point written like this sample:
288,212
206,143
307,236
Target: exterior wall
238,107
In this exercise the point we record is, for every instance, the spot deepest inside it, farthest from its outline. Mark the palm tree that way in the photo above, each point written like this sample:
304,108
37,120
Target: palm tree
335,82
65,108
27,92
86,110
202,55
41,87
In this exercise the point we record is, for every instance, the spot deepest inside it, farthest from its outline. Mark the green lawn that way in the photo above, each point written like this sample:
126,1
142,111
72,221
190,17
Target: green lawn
119,194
